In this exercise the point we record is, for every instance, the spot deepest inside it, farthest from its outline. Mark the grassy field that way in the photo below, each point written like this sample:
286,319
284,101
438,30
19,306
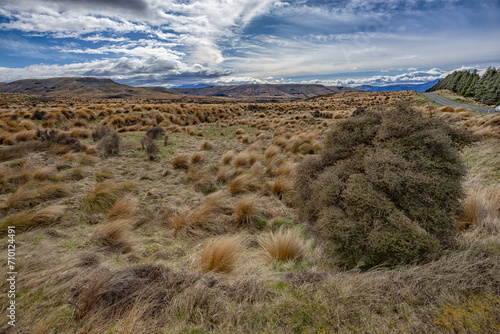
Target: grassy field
197,233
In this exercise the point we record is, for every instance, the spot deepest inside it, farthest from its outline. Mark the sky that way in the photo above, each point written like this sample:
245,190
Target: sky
221,42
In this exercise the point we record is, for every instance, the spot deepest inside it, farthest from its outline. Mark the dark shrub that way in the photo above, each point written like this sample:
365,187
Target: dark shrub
386,188
155,132
100,133
110,144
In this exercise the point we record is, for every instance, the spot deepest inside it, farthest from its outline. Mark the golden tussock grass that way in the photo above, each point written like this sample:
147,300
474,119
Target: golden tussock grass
105,195
28,195
206,145
285,169
245,159
73,174
92,149
104,174
197,157
283,245
239,131
49,215
181,161
204,217
272,151
245,139
221,254
26,135
224,174
244,183
245,211
281,186
43,173
481,213
80,133
447,109
26,220
123,208
228,157
115,234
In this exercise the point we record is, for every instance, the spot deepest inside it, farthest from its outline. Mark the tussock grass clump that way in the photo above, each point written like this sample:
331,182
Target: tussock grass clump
114,234
197,157
26,196
245,211
181,161
21,149
283,245
203,218
245,159
105,195
74,174
123,208
104,174
386,187
481,213
282,187
49,215
221,254
43,173
272,151
26,220
206,145
228,157
244,183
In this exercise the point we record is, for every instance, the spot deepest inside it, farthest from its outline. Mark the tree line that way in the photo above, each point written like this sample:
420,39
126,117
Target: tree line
485,88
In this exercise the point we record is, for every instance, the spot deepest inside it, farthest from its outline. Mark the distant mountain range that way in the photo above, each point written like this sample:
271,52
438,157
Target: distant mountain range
266,92
107,88
419,88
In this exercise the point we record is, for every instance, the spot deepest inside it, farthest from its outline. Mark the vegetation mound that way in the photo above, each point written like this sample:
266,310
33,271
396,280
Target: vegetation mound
386,188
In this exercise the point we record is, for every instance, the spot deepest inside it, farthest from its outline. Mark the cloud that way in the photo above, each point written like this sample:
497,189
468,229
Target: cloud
131,70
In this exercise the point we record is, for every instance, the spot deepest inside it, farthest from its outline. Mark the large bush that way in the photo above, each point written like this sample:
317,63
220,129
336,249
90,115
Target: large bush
386,188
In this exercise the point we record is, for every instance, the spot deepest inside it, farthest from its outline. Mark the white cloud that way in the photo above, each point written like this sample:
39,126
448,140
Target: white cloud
135,70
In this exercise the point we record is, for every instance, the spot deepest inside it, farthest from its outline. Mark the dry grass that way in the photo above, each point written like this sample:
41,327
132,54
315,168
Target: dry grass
203,218
198,157
282,187
181,161
125,208
228,157
105,195
114,234
245,211
272,151
206,145
104,174
26,196
221,254
244,183
482,211
245,159
26,220
283,245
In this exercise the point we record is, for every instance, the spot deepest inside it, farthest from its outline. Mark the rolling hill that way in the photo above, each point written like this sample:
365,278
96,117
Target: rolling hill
107,88
266,92
82,87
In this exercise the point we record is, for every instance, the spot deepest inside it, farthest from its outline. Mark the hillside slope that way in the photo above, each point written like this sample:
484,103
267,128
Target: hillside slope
266,91
81,87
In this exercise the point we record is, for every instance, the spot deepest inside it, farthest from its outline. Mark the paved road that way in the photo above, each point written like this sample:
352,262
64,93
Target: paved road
446,102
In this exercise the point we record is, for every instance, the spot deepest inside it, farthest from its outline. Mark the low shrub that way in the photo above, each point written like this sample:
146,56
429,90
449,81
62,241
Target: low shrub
386,188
